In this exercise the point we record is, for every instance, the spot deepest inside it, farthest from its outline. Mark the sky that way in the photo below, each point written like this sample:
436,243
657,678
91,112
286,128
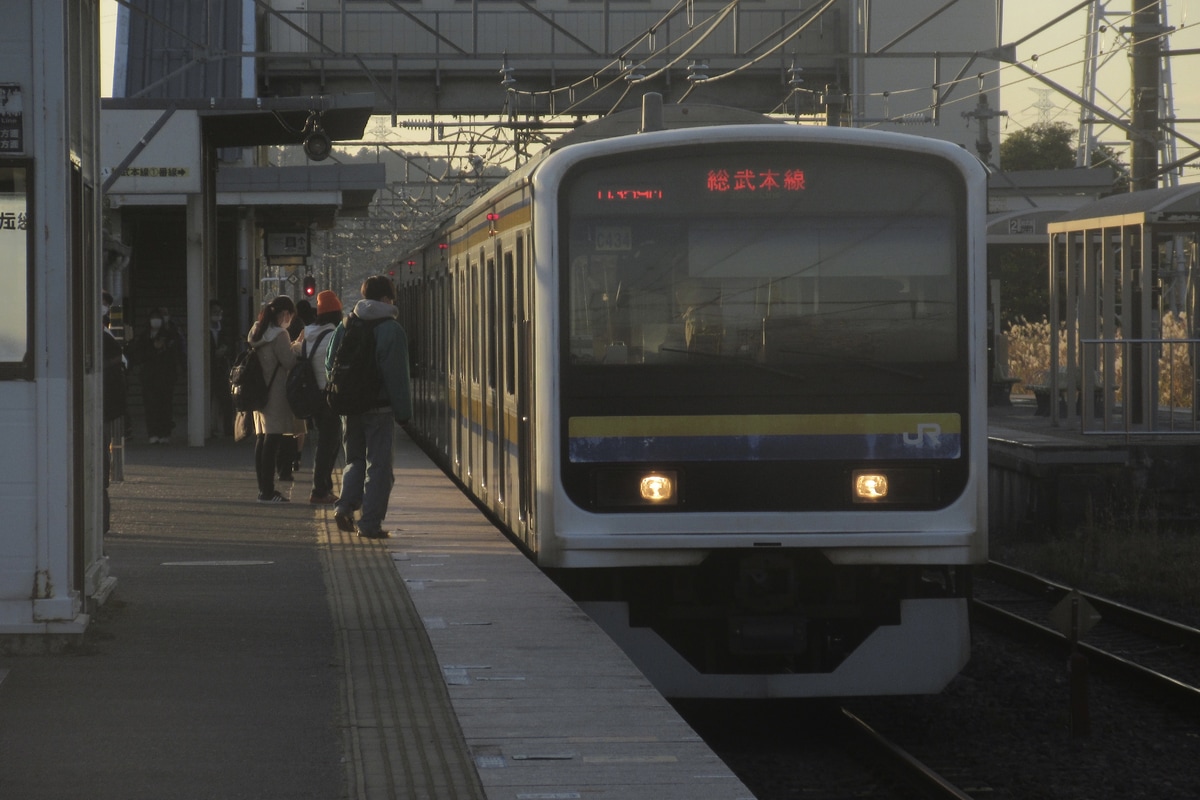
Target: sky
1059,52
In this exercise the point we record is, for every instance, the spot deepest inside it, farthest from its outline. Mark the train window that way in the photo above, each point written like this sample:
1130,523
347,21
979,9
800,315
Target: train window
455,355
863,264
521,280
510,332
491,328
475,320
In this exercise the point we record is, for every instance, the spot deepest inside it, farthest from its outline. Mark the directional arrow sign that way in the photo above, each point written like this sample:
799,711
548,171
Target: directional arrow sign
1074,616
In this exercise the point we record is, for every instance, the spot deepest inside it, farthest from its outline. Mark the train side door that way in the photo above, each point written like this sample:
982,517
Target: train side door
462,397
476,416
491,439
442,354
507,384
496,293
523,360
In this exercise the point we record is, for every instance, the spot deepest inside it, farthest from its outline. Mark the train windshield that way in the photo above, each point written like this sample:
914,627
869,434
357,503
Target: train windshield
782,257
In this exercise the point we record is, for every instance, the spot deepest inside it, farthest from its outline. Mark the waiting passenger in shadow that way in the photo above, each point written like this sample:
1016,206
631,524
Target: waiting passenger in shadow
158,352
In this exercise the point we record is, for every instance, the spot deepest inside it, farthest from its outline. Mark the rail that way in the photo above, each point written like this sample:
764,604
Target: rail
1155,653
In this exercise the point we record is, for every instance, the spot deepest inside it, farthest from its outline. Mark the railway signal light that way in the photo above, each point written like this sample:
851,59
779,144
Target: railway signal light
310,286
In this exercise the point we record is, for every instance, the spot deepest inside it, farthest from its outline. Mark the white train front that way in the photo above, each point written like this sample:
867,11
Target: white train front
725,384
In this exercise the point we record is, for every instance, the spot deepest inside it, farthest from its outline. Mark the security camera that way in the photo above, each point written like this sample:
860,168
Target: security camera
317,145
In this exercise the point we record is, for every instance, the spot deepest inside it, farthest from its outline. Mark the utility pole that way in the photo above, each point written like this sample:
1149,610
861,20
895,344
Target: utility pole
983,114
1145,62
835,104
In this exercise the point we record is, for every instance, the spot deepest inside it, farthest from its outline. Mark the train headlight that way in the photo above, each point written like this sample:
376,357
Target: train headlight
645,488
657,488
869,487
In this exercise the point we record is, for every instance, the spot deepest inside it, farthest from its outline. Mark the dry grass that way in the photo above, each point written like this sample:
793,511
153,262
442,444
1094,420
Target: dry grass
1029,359
1138,561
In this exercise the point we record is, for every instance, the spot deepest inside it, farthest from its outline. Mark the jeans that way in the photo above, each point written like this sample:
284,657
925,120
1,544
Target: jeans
367,476
329,439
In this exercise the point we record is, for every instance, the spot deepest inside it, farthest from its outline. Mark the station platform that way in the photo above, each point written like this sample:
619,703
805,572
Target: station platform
1017,429
1045,477
255,651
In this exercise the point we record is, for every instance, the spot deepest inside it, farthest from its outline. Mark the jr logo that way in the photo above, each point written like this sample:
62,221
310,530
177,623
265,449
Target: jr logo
925,430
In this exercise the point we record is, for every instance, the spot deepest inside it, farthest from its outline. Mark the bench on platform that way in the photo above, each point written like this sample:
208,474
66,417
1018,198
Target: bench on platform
1041,396
999,391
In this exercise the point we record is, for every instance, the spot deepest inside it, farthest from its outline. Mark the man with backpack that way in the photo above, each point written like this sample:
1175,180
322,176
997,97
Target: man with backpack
369,386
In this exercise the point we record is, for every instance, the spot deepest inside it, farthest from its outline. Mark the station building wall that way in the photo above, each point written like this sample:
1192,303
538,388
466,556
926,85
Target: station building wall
51,545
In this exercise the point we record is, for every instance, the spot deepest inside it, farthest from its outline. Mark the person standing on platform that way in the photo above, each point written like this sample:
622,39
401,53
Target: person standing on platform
289,451
220,360
158,350
328,425
367,437
270,339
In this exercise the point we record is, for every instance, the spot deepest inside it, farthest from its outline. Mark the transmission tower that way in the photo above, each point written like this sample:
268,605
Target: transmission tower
1044,105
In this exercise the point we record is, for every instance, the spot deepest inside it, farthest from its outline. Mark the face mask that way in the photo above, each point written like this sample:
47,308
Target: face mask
166,318
103,310
155,324
216,317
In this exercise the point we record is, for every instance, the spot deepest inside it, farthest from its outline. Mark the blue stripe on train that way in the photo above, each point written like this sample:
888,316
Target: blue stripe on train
877,446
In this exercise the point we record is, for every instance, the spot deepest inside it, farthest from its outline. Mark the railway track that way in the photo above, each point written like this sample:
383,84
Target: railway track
1008,728
816,749
1156,653
918,778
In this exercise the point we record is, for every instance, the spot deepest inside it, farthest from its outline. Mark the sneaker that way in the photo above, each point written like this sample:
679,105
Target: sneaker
274,498
327,499
345,522
373,534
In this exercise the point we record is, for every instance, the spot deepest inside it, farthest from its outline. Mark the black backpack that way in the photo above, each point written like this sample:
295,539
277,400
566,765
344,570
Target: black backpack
355,383
248,387
303,393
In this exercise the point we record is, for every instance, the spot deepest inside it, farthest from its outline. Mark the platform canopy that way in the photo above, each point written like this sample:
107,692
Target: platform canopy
250,122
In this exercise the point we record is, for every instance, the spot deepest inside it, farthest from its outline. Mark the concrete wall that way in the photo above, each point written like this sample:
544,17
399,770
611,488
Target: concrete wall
51,547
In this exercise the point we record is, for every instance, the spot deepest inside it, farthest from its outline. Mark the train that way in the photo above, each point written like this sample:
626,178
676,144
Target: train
723,378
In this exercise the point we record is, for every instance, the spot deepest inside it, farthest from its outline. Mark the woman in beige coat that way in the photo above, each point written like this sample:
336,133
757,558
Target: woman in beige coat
269,337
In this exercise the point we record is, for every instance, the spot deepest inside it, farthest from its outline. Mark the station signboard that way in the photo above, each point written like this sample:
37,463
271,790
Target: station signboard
286,243
167,163
12,120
